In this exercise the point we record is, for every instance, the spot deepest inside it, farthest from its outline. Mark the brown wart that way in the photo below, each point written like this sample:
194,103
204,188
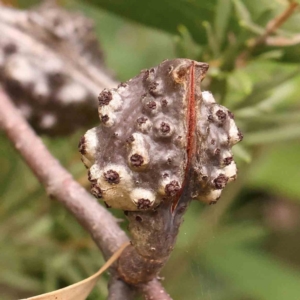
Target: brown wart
104,119
105,97
112,177
81,145
165,127
151,104
136,160
172,188
164,102
221,115
143,204
96,191
220,181
227,160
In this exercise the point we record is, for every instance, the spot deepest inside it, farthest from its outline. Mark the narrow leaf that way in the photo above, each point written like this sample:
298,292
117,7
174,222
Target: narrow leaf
279,134
223,12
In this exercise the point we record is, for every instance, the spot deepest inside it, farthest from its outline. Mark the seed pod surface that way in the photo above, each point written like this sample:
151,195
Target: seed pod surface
155,129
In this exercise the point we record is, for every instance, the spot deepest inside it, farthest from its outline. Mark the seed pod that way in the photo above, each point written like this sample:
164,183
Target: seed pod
164,136
214,165
52,67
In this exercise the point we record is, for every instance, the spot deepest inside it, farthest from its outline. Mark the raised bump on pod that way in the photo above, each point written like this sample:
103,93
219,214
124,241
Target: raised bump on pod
208,97
94,173
169,186
138,157
218,134
109,102
149,75
235,135
107,117
116,184
164,128
230,171
142,198
220,181
124,177
219,114
96,191
143,124
211,197
225,158
116,101
155,88
110,98
166,102
203,174
88,146
150,105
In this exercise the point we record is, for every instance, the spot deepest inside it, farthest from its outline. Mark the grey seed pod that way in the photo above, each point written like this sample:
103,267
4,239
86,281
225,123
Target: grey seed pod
214,165
164,137
52,67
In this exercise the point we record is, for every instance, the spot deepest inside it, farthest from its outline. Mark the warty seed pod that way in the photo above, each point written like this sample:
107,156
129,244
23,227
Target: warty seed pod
52,67
161,135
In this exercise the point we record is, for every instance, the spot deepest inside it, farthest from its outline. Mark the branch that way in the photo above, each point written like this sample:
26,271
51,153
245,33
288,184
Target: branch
281,41
153,288
119,290
60,185
271,27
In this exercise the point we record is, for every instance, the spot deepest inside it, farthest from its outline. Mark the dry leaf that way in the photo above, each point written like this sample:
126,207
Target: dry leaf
81,289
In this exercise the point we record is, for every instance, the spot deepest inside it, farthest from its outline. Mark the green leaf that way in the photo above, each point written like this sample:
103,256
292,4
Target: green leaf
185,45
222,17
242,153
211,38
275,89
278,134
255,274
278,171
164,14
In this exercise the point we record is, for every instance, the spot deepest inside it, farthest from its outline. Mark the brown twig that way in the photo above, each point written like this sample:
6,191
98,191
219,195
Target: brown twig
281,41
271,27
118,290
60,185
152,288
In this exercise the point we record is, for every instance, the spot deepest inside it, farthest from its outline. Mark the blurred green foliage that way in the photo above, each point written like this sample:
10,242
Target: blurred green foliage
244,248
